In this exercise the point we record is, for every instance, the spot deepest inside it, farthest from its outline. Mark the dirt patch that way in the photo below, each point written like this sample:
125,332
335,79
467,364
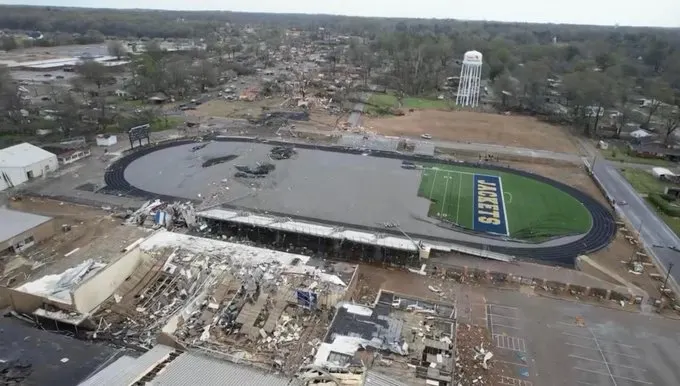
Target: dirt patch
467,126
371,279
617,257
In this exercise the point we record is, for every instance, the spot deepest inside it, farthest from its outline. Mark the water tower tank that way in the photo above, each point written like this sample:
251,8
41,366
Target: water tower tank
473,57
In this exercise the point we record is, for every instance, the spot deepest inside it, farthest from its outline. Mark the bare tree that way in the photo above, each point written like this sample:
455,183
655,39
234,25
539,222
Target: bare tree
116,48
96,74
659,92
206,74
671,120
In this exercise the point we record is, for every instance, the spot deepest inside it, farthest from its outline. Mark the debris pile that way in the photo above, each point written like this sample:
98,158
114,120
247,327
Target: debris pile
218,160
164,215
259,171
282,152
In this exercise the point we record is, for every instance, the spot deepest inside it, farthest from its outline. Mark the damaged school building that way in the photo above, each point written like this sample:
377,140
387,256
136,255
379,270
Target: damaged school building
210,309
329,241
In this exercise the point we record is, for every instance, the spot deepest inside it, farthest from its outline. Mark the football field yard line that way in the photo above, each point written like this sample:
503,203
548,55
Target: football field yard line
446,191
434,181
460,185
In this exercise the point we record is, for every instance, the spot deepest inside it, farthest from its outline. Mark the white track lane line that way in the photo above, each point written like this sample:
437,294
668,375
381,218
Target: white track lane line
460,185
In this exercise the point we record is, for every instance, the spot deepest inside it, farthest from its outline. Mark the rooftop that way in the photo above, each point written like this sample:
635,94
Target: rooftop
22,155
29,356
13,223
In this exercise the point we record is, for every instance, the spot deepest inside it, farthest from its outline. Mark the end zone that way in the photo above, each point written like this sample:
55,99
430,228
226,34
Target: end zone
489,207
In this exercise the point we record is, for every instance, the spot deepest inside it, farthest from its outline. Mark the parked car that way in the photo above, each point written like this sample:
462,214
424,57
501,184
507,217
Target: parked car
425,136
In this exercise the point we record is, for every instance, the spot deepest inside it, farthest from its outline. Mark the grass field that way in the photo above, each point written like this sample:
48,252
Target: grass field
615,153
644,182
534,210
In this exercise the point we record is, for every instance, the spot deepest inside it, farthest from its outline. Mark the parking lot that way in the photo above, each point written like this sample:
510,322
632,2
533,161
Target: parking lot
553,342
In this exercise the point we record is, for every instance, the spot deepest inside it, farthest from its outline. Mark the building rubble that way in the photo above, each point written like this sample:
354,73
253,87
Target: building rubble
135,315
263,310
59,286
163,214
236,300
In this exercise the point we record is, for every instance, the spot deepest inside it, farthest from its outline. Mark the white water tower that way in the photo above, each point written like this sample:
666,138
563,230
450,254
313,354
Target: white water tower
470,78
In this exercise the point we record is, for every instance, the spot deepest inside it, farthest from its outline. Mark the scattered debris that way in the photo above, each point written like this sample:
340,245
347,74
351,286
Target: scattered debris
198,147
14,372
483,355
580,321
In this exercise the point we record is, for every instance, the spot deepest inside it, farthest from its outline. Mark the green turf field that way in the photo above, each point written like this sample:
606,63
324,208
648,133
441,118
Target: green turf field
534,210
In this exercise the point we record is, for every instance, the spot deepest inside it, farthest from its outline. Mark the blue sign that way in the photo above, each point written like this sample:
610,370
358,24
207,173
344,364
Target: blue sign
306,299
489,209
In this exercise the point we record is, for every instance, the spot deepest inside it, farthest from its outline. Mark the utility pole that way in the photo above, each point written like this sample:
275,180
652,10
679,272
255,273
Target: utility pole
668,274
642,221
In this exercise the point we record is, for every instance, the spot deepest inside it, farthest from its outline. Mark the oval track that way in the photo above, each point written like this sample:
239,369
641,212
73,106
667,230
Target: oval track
599,236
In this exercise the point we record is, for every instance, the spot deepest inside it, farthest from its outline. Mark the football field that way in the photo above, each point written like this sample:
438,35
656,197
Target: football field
502,203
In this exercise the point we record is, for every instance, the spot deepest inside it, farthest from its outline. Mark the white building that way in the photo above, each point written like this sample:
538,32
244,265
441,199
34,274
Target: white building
470,79
23,162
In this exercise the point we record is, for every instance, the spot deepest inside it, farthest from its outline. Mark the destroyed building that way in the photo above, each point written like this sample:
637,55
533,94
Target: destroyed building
407,338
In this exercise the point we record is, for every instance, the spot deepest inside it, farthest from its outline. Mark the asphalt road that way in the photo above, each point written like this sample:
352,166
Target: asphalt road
655,234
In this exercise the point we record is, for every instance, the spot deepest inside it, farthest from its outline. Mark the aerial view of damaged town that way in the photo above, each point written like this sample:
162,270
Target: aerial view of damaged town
275,194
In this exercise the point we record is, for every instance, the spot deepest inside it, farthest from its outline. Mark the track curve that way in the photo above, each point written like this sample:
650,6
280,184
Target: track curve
601,233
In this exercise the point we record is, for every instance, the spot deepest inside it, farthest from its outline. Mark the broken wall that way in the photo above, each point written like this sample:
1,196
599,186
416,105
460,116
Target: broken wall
25,302
93,291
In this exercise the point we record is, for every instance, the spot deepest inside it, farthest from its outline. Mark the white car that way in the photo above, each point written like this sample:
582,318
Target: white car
425,136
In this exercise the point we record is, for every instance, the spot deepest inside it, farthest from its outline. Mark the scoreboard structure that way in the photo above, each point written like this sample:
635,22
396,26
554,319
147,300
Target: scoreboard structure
138,133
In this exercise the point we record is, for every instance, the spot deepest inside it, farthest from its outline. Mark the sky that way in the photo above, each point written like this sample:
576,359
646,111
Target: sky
657,13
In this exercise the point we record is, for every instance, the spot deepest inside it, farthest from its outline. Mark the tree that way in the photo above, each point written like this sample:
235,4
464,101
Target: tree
177,77
533,78
154,50
97,74
671,119
659,92
624,112
116,48
589,93
206,74
68,112
94,73
11,102
8,43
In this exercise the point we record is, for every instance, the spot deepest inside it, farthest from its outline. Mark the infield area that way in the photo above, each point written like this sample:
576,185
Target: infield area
501,203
